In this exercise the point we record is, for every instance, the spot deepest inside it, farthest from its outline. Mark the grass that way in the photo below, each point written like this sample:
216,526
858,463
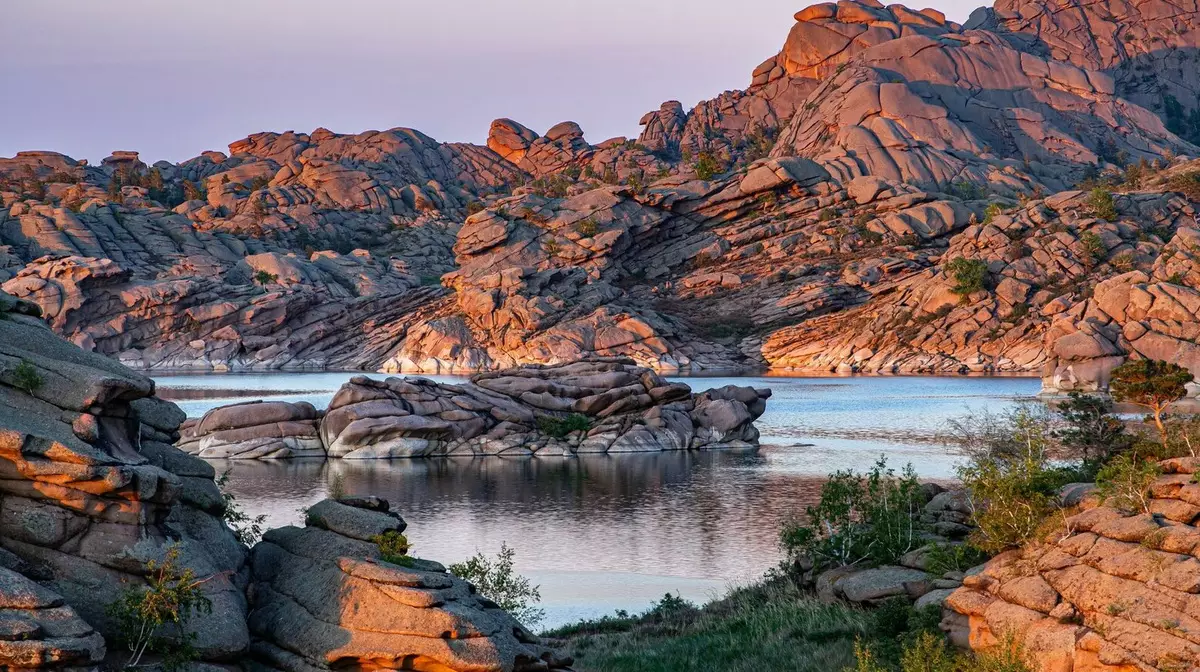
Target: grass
771,626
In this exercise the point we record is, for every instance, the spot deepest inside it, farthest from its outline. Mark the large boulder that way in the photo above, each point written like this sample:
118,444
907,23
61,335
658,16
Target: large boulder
325,599
255,431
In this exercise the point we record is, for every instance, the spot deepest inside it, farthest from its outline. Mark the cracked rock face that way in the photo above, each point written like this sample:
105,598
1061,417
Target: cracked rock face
325,599
91,491
39,631
1111,592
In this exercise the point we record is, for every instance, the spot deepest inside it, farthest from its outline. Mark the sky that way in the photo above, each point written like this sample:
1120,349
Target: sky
173,79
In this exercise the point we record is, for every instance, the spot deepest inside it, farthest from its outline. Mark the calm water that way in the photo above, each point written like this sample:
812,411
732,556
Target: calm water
605,533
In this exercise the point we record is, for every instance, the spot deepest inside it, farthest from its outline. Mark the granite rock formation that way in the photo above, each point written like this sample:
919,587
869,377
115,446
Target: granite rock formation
807,222
1110,591
325,599
91,492
590,406
254,430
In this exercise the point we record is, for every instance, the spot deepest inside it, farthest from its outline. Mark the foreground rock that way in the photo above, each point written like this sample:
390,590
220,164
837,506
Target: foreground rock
39,631
91,489
1106,591
324,599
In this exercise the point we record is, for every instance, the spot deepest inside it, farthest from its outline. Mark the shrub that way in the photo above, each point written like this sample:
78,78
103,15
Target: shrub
860,518
707,166
248,530
26,377
265,278
1091,430
393,547
970,275
259,182
1153,385
1187,184
1101,204
191,192
828,215
1124,483
496,580
993,211
954,558
587,227
560,428
1124,262
169,597
1094,250
1010,478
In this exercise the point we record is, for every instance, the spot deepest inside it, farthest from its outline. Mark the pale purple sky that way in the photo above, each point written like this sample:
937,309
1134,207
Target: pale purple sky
172,79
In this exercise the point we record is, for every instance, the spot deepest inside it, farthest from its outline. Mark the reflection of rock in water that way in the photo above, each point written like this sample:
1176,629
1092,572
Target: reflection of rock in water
712,515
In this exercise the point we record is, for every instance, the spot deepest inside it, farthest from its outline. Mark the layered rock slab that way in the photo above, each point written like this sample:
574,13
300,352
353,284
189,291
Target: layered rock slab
38,631
1111,591
255,431
325,599
618,407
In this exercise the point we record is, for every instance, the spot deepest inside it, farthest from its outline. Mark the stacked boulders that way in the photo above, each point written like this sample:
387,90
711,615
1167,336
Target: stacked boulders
325,598
92,492
255,431
592,406
1107,590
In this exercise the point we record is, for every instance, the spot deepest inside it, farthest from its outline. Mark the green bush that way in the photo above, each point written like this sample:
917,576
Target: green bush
993,211
1010,476
26,377
1090,430
1101,204
587,227
560,428
970,275
1124,482
707,166
496,580
265,278
246,528
169,598
860,518
393,547
1187,184
954,558
1094,250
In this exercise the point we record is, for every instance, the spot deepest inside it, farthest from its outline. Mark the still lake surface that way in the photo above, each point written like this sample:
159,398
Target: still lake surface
604,533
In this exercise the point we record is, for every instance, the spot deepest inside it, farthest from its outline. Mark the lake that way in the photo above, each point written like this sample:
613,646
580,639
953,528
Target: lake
604,533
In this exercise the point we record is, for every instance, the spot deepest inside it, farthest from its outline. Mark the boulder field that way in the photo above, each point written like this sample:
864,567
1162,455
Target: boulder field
591,406
94,496
812,221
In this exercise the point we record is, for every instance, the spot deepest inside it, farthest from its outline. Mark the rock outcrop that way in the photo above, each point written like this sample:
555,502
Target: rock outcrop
806,222
591,406
1108,590
325,599
92,491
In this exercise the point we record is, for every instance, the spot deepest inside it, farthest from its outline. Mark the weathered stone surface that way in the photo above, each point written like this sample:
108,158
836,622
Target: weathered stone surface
87,500
622,408
1109,582
255,431
326,601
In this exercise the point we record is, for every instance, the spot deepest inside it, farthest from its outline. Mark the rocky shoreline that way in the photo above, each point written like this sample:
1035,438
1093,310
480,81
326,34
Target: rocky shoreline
591,406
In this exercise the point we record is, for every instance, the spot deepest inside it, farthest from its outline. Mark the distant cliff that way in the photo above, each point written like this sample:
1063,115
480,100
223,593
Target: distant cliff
893,192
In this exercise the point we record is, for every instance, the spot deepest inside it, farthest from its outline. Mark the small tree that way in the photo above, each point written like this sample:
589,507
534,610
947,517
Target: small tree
170,597
26,377
265,278
498,581
246,529
1151,384
1102,205
707,166
1125,481
1091,430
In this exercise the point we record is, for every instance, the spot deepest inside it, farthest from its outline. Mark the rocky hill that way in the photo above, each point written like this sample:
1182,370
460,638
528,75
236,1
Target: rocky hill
893,192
